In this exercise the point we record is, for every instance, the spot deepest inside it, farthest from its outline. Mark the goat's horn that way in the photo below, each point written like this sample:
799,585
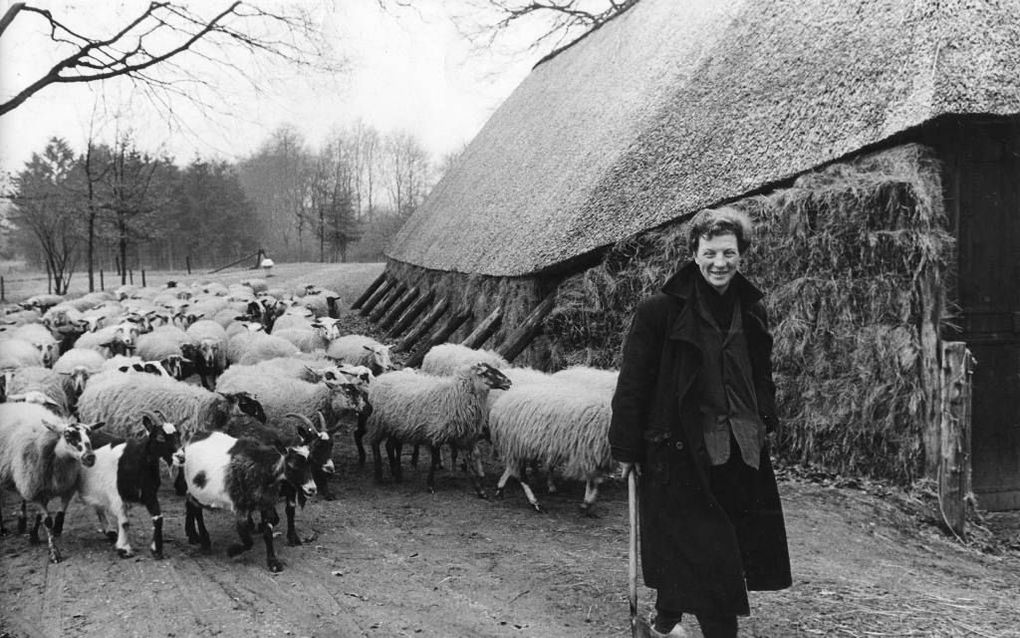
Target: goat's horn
303,418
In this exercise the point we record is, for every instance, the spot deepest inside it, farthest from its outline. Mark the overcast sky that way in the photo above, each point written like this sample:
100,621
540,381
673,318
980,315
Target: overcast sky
406,69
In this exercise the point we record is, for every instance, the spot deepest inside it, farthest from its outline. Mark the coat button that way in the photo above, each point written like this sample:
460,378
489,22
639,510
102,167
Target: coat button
679,445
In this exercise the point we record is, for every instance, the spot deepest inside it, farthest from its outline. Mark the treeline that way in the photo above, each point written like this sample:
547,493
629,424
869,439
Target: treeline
116,207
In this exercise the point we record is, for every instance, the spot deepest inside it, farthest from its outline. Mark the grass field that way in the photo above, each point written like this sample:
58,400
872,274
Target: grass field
347,279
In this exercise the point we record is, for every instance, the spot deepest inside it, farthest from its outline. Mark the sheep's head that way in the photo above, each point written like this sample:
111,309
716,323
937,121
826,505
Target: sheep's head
328,328
39,398
247,404
79,376
175,365
490,376
380,360
74,440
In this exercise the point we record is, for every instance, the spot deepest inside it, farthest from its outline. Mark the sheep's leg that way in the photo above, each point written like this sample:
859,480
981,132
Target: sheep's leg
550,483
529,494
591,492
58,523
453,458
508,473
272,561
359,435
414,454
3,530
152,505
377,458
431,480
393,448
244,526
474,458
23,519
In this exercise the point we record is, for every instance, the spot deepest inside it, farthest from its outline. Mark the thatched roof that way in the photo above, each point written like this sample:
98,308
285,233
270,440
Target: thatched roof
676,105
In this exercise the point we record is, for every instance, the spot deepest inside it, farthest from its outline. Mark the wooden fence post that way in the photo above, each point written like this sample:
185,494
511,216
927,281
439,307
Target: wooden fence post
955,462
387,302
410,315
3,291
143,278
400,306
519,340
368,291
379,293
439,336
102,282
484,330
426,322
187,262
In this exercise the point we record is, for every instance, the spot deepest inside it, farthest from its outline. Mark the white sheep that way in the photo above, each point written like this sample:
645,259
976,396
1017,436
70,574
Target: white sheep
166,344
39,336
42,380
18,353
76,366
258,346
444,359
119,338
412,407
306,339
561,425
208,350
361,350
604,380
280,395
41,455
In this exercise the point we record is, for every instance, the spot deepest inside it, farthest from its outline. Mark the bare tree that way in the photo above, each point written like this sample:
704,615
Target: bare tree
167,36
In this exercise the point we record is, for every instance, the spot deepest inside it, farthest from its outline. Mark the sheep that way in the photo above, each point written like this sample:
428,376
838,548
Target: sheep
361,350
604,380
127,471
306,339
39,336
18,353
560,424
122,399
40,456
166,344
244,476
43,380
41,303
257,285
412,407
119,338
322,303
208,350
258,346
445,358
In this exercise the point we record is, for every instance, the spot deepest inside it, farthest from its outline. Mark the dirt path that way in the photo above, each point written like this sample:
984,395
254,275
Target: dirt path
394,560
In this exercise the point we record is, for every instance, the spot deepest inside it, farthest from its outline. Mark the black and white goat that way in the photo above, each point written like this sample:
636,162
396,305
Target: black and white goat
41,455
244,476
127,471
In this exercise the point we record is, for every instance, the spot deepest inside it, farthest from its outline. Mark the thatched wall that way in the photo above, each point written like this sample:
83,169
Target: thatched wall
854,261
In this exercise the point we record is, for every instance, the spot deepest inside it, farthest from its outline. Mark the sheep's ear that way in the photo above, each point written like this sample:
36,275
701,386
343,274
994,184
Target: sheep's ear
369,348
91,427
148,423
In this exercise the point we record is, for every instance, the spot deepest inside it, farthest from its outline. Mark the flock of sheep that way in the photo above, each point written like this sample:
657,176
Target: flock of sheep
241,390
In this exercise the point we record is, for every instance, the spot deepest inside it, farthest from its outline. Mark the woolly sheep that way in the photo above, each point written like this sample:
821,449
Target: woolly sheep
257,347
77,366
604,380
39,336
243,476
560,424
280,396
445,358
39,379
41,456
119,338
166,345
361,350
122,399
306,340
208,350
18,353
412,407
127,471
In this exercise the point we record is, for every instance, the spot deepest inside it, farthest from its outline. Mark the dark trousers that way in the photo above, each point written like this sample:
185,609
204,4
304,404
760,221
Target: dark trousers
711,626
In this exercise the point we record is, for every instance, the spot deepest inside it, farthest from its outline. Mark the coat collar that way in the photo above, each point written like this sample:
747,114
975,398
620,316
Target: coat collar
681,286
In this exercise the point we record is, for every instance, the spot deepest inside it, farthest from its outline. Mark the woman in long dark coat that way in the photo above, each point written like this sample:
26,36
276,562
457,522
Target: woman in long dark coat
693,406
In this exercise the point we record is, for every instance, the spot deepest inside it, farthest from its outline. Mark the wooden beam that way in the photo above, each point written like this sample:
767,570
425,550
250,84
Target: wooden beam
423,326
379,293
405,300
519,340
484,330
439,336
387,301
410,315
954,461
368,291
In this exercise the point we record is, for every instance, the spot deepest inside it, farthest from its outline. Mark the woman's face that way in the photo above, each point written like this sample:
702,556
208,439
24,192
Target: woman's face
718,259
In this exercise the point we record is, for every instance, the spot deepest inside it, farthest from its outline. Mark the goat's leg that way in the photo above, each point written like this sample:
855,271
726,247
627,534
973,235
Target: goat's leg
104,529
180,484
33,534
123,545
272,561
3,530
290,507
48,523
152,505
194,525
23,519
244,526
58,521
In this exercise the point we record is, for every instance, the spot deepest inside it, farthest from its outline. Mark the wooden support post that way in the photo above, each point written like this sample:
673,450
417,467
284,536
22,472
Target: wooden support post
187,261
387,302
131,276
410,315
143,278
484,330
423,326
519,340
3,291
379,293
954,461
102,281
368,291
439,336
400,306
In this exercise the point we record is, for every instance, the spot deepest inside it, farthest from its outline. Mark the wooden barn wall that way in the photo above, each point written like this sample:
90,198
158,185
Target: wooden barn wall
981,164
517,296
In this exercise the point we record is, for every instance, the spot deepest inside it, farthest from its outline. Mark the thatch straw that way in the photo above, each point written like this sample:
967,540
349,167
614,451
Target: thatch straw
854,261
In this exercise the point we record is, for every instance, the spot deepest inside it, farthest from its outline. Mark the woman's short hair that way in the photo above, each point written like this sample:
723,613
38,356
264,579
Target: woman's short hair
713,222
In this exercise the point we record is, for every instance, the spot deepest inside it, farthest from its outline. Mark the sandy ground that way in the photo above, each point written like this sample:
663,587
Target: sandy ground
395,560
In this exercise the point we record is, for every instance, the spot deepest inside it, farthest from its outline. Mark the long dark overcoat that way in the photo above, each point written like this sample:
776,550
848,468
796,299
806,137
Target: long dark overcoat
688,544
